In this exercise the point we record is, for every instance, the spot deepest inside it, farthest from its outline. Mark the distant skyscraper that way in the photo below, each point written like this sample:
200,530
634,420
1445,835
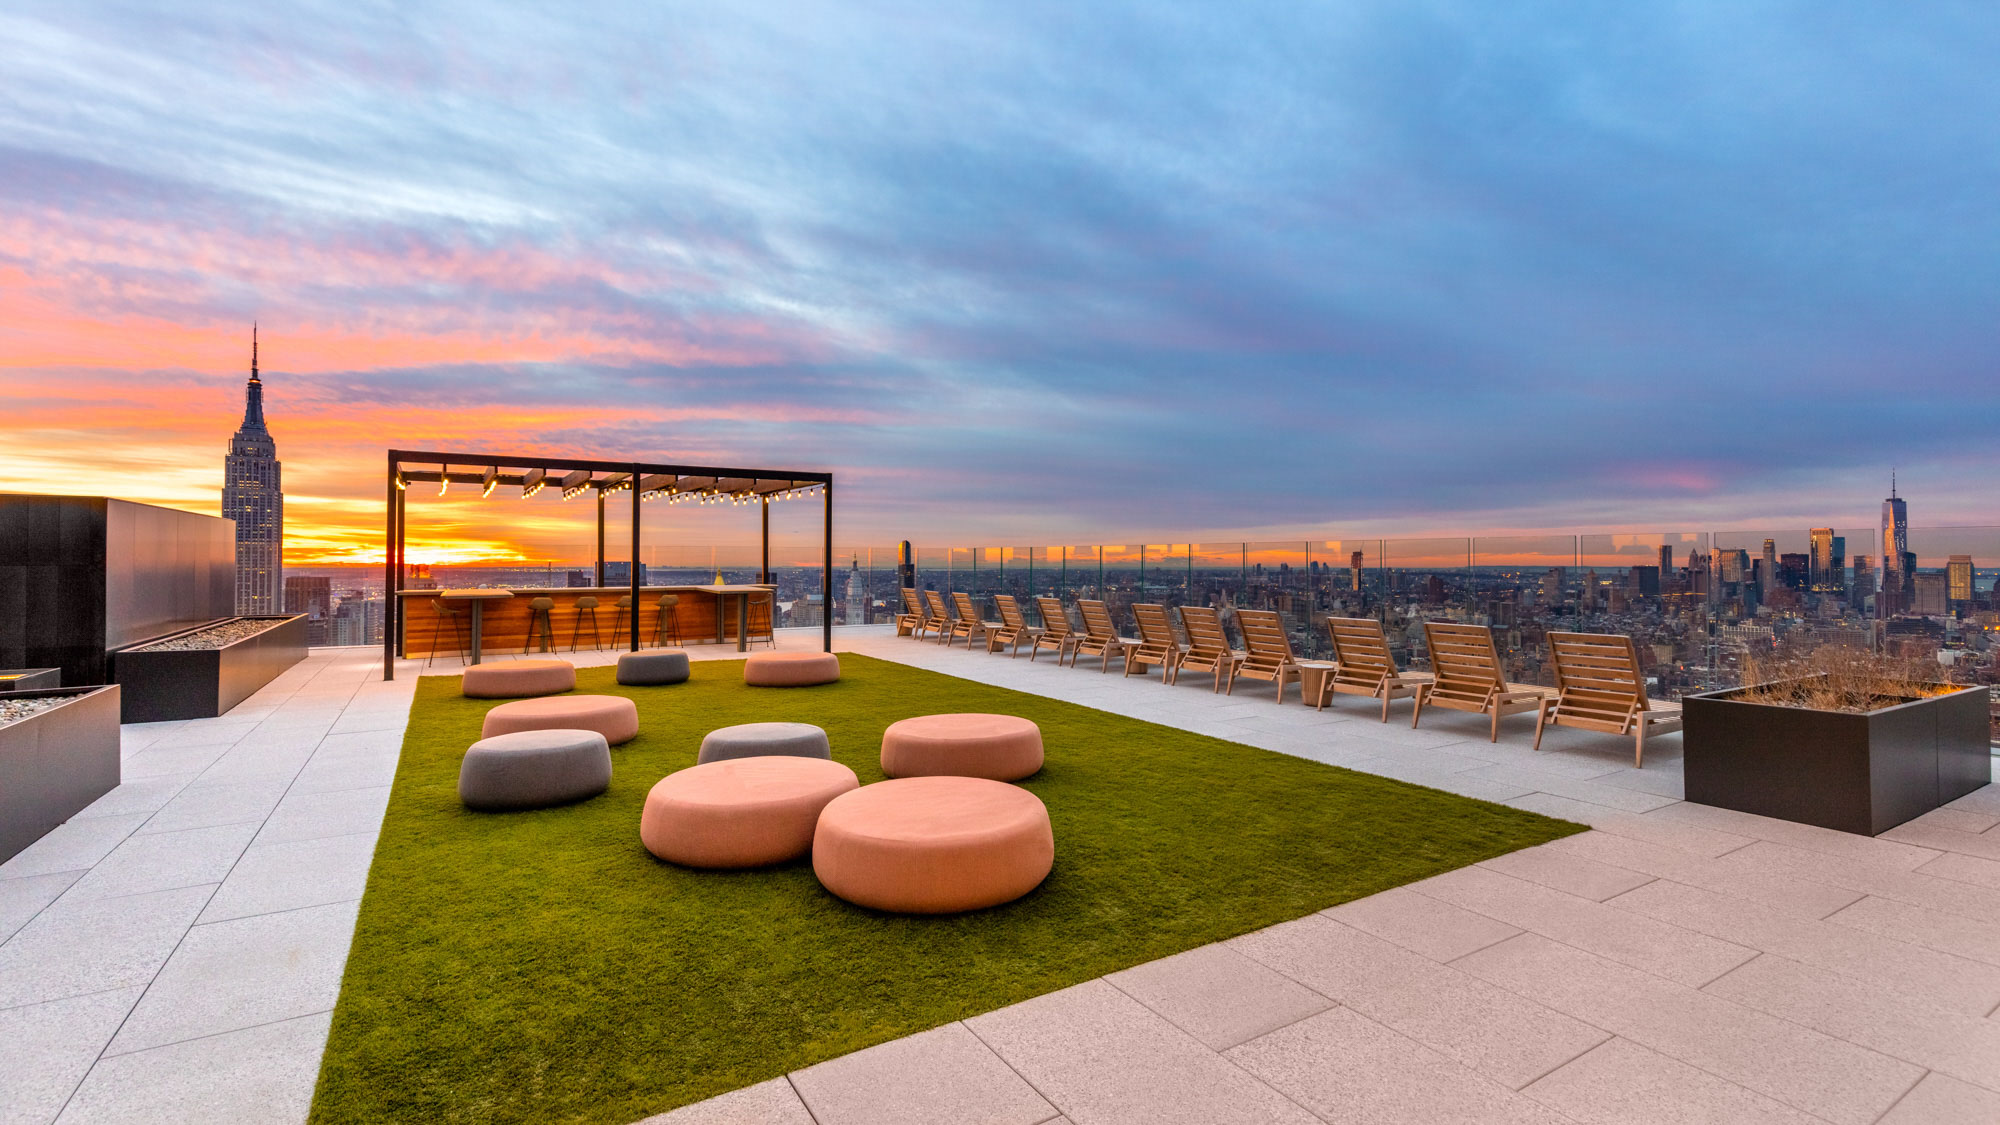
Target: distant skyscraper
1864,579
1354,567
1930,595
1824,578
253,496
857,595
1895,545
1768,576
1958,579
313,596
1667,562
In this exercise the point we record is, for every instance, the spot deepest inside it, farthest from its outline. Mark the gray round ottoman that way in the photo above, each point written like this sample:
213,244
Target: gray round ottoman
758,740
533,769
653,668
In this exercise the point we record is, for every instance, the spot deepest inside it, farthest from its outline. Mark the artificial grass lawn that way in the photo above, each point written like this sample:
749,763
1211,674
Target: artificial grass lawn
542,966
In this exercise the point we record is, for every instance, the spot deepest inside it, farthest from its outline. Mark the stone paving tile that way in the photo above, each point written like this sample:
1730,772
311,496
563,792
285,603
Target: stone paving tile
767,1103
162,861
1825,841
1804,897
76,947
1421,924
1982,844
1218,995
47,1048
1591,792
312,816
1938,1100
137,795
1621,1081
1644,943
1104,1059
1705,842
1564,808
211,806
172,761
24,897
1985,800
1347,1068
292,874
255,1076
1934,977
1964,869
1943,895
1866,1012
1570,874
944,1074
253,761
1970,938
226,976
354,770
1805,1069
1957,820
1506,1037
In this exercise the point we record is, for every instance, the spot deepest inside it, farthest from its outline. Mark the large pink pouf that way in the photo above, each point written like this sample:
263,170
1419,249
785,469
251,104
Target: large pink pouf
791,669
996,747
743,812
513,679
613,716
933,845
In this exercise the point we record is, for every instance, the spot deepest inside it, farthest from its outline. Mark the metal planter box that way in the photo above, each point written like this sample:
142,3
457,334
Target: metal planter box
1862,773
55,762
202,683
29,681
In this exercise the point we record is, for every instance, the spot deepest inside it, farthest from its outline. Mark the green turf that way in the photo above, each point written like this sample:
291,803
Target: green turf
541,966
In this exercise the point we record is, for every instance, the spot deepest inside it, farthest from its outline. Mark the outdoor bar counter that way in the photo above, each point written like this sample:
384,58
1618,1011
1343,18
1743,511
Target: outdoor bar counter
705,614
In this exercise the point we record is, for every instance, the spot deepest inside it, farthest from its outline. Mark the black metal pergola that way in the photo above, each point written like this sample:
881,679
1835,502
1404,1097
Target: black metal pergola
575,477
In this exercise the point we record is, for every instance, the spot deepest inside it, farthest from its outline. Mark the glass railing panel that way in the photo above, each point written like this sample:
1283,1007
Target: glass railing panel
1275,576
1123,568
1426,579
1166,574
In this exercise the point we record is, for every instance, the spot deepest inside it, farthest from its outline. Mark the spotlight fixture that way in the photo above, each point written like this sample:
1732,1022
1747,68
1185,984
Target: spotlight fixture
444,478
533,481
575,483
492,478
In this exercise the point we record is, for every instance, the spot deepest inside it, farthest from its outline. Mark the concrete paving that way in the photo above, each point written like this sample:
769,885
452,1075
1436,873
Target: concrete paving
173,952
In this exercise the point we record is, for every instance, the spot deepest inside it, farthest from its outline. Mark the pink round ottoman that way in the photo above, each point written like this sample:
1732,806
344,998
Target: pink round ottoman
791,669
743,812
933,845
512,679
613,716
996,747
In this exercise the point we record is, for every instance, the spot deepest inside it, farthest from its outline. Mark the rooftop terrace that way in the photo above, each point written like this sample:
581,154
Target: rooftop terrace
176,951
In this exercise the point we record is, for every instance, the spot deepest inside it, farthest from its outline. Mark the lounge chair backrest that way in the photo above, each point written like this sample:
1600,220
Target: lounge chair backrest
1359,647
963,602
1096,619
1264,635
1055,619
1204,629
1010,611
1155,628
1598,672
936,601
1463,657
911,602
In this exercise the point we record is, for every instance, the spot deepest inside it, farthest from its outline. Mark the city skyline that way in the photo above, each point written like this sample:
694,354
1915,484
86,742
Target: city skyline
253,495
1354,262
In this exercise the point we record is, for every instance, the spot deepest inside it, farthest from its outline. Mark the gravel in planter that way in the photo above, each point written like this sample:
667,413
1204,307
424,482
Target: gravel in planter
212,636
13,710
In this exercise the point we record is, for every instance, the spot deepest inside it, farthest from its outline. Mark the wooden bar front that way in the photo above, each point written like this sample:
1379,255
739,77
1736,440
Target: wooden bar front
504,626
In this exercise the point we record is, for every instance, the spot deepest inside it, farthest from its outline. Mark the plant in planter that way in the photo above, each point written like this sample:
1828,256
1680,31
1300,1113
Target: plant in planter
1842,739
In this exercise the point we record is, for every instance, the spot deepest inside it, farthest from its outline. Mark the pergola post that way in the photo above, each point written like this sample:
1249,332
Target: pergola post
634,576
764,567
599,580
391,542
826,569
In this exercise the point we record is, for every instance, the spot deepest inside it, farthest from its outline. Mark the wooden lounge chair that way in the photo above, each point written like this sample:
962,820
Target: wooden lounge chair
1270,651
910,622
969,623
1157,643
1598,687
1100,636
1207,648
1057,633
1013,628
936,618
1366,666
1466,676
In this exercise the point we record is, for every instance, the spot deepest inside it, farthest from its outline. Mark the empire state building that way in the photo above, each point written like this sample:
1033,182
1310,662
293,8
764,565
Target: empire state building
253,497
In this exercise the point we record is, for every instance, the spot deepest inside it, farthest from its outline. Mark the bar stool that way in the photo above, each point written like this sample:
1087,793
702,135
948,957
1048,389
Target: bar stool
539,626
618,623
669,621
585,604
760,620
446,613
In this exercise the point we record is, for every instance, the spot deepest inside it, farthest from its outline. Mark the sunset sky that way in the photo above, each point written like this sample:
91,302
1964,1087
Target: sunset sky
1016,272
